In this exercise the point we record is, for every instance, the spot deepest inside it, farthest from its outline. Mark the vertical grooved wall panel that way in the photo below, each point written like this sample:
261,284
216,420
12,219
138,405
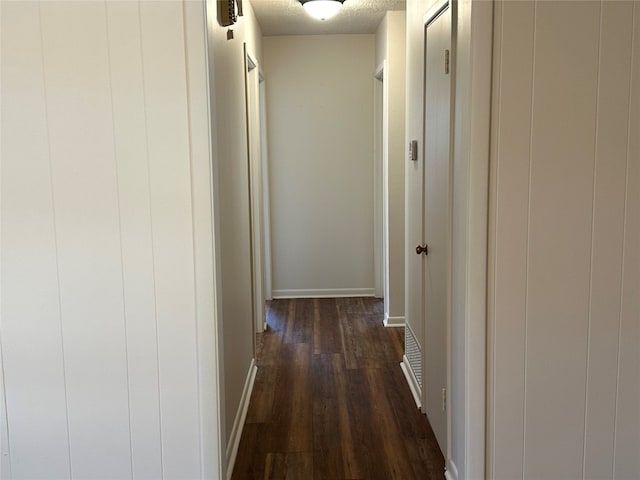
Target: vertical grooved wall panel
201,181
169,169
627,419
606,251
30,315
565,274
129,123
100,341
559,240
87,232
513,130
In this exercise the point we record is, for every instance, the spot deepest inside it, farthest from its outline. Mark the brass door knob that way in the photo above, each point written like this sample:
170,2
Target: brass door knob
420,249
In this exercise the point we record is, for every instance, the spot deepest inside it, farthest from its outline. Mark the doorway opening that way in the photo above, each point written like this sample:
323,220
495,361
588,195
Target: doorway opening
381,198
258,191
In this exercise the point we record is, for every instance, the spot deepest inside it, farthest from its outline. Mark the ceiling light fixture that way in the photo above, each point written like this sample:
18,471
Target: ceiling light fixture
322,9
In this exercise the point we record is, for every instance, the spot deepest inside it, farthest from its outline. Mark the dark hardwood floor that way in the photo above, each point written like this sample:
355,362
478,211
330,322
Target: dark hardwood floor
330,400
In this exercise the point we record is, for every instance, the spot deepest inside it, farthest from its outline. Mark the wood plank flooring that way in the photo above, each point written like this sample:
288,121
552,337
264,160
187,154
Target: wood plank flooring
330,400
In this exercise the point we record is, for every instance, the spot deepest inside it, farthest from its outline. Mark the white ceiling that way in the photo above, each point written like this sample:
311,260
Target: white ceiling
287,17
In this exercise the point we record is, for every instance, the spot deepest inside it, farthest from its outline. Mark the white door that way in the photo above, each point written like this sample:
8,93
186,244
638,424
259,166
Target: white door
437,208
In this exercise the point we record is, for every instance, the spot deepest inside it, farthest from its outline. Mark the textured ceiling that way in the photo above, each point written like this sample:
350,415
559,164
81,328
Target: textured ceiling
287,17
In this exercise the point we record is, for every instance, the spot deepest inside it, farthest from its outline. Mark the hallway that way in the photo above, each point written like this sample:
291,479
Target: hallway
330,400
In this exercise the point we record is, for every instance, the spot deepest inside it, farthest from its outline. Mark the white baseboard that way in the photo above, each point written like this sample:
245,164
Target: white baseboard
411,380
393,322
324,293
451,471
241,415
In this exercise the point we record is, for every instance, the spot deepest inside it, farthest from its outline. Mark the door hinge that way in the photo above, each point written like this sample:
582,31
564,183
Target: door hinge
446,62
444,399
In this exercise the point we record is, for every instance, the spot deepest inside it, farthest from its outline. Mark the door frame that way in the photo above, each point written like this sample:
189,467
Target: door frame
474,40
472,50
381,186
252,77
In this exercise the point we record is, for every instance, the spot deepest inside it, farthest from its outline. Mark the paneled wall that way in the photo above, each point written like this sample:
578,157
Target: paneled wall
564,316
108,345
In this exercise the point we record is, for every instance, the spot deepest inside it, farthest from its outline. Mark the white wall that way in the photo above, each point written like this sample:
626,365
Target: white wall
381,41
565,242
108,340
232,212
320,127
390,46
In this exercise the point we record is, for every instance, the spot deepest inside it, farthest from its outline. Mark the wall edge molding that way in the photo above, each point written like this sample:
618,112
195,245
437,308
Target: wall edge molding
241,415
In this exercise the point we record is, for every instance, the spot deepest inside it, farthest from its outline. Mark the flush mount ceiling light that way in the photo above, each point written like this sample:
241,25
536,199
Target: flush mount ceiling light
322,9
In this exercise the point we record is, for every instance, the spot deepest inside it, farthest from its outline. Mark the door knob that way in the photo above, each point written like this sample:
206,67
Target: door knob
420,249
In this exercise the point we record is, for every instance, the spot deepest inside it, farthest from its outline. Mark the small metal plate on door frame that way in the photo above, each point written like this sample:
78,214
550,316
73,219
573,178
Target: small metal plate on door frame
413,150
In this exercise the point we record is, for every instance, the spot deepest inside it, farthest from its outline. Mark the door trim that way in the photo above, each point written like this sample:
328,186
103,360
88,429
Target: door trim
479,84
256,225
381,187
266,202
472,47
435,11
378,229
